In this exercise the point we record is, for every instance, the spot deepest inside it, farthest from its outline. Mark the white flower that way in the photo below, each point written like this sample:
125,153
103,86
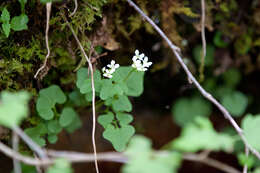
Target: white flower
107,72
137,56
113,65
140,62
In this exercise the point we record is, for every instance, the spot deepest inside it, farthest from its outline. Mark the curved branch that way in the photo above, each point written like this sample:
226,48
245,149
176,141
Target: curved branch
176,51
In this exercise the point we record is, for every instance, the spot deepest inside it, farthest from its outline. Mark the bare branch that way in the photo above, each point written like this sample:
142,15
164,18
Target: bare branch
245,166
107,156
203,38
75,8
93,92
48,14
210,162
17,156
15,145
176,51
35,147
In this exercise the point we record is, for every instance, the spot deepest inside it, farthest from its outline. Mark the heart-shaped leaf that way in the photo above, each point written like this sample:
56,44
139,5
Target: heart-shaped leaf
119,137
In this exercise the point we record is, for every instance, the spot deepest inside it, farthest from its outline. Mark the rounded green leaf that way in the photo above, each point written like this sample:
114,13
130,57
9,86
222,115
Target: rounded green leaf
52,138
121,103
84,80
19,23
67,116
106,119
218,40
132,78
235,102
5,16
124,118
54,127
119,137
186,109
47,99
209,59
250,125
13,108
232,77
76,124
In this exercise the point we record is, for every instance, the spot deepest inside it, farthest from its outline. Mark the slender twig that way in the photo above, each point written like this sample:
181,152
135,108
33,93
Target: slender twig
93,92
77,157
203,38
15,145
48,14
210,162
245,166
75,8
35,147
17,156
208,96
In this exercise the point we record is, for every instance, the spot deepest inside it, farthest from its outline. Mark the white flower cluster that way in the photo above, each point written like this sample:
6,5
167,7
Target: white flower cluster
140,61
107,72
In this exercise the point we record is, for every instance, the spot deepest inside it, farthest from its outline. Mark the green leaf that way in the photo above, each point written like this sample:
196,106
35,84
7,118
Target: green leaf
60,166
76,124
54,127
121,103
124,118
235,102
106,119
250,125
110,89
132,78
67,116
232,77
243,44
39,130
88,96
47,99
209,59
6,28
19,23
119,137
246,160
77,98
144,160
13,108
84,80
186,109
36,133
5,16
52,138
199,136
218,40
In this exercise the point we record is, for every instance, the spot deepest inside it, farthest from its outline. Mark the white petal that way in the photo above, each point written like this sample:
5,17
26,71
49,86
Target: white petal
117,66
113,62
141,56
137,52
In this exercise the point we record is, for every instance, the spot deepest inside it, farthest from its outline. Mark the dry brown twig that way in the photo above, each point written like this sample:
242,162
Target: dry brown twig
176,51
48,14
93,91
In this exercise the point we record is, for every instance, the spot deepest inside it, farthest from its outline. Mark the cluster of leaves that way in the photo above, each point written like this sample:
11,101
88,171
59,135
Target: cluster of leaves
52,122
114,94
18,23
